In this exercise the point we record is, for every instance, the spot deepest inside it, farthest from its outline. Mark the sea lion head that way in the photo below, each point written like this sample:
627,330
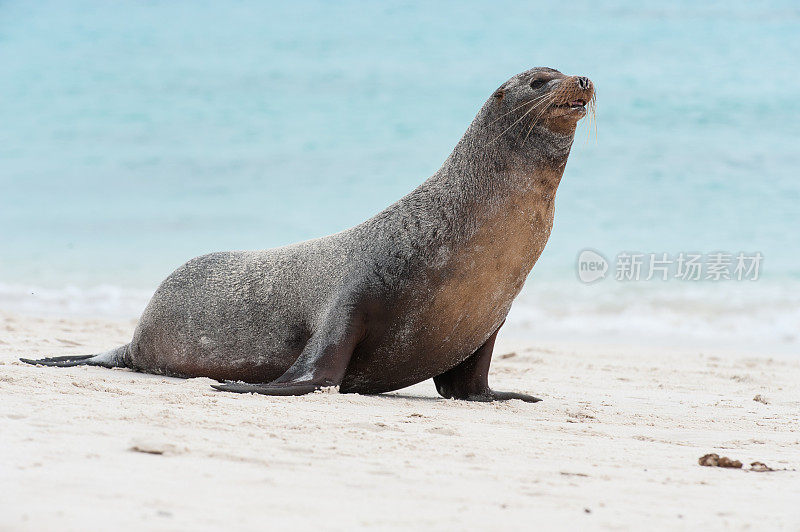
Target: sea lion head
539,100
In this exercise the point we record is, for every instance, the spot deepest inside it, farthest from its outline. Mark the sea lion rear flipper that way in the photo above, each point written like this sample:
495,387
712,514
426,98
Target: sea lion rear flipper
322,363
61,362
114,358
469,381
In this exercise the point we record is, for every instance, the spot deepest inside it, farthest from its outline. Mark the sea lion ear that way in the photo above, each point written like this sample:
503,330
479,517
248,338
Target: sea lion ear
499,93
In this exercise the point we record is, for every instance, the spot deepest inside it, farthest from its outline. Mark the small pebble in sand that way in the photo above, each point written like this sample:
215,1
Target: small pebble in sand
714,460
760,467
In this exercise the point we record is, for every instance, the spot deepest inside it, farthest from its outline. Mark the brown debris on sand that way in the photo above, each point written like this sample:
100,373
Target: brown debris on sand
714,460
156,447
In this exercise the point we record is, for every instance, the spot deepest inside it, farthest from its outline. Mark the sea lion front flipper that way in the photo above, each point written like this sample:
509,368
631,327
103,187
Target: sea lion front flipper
469,380
322,363
266,389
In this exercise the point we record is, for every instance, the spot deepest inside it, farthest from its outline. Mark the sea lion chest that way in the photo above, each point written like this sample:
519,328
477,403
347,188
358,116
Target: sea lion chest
460,299
484,276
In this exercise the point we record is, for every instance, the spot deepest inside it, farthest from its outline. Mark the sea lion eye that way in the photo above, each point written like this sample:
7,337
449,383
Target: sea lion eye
538,83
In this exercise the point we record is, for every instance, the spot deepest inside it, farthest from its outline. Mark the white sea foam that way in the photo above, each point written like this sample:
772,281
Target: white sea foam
100,301
753,315
748,316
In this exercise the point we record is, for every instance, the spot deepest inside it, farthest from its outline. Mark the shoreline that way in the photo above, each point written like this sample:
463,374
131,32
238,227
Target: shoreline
708,316
619,433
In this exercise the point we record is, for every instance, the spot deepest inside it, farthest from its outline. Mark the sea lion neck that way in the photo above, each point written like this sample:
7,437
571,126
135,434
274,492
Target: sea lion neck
479,184
501,177
488,170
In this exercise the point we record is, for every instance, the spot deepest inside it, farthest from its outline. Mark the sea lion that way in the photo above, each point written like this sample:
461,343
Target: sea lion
418,291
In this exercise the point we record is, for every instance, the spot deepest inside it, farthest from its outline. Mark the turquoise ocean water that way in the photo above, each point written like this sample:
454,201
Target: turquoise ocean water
135,135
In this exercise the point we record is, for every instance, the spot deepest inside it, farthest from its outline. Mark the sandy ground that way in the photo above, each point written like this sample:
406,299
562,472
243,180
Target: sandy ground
614,445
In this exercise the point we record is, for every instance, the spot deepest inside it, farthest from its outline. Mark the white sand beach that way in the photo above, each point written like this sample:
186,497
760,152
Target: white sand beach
614,444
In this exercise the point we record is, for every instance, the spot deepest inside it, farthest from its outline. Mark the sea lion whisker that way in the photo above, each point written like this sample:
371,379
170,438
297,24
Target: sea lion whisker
592,117
517,107
541,102
536,119
509,127
544,104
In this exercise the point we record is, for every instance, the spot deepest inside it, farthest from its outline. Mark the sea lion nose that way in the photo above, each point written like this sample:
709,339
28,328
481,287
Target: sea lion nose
584,82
